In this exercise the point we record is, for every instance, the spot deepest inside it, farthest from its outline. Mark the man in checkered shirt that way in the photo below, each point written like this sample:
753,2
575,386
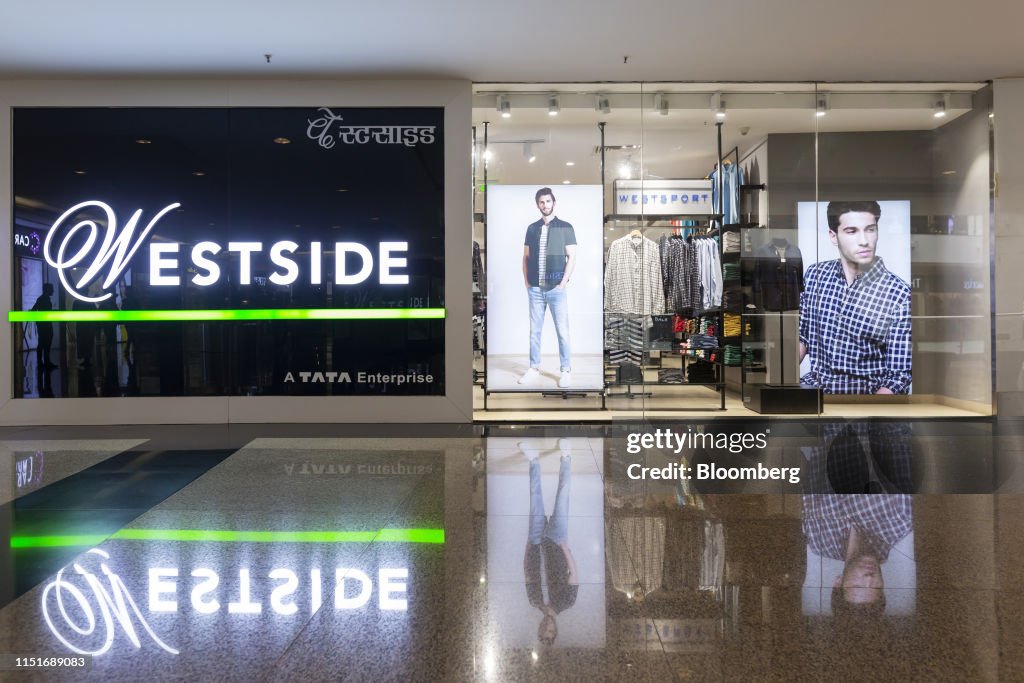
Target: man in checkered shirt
854,313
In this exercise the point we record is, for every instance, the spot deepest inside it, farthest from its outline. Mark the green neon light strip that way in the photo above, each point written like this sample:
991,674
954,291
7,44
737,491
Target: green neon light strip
230,314
435,536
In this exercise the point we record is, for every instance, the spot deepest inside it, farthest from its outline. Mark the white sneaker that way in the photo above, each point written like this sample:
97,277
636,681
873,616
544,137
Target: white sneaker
529,376
565,379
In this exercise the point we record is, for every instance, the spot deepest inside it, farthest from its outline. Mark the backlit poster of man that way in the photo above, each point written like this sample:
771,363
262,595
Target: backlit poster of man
544,293
855,310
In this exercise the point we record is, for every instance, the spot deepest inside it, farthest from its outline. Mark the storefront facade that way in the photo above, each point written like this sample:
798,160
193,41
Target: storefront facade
302,251
236,252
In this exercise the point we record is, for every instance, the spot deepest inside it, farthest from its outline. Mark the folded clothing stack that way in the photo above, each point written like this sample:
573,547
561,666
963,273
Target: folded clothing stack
702,341
730,242
731,325
733,354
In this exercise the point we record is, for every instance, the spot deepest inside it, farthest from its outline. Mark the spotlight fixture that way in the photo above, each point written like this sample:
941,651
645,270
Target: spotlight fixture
661,103
718,106
570,163
602,104
553,106
941,104
282,141
566,182
198,173
823,104
143,141
528,152
504,106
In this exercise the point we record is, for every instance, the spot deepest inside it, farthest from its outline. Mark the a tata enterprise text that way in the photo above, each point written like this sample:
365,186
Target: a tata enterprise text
335,377
81,246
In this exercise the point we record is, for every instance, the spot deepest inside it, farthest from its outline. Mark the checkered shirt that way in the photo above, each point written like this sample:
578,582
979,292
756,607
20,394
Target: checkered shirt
857,335
883,520
632,278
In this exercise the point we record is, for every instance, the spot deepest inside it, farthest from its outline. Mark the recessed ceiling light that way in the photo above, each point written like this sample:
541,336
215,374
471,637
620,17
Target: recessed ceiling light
282,141
198,173
570,163
949,173
144,141
566,182
342,189
375,218
79,172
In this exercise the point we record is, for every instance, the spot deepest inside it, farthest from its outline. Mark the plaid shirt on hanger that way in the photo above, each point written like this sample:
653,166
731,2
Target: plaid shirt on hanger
632,277
857,335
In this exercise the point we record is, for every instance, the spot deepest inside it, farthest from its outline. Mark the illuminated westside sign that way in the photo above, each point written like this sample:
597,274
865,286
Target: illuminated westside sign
104,253
86,608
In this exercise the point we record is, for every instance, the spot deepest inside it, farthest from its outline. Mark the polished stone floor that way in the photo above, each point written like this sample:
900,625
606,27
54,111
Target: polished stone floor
880,551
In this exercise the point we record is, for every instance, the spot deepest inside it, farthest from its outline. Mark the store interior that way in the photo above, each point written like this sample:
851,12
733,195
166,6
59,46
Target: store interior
656,338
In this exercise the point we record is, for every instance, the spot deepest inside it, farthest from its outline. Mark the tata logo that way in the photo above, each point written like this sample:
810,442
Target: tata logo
103,249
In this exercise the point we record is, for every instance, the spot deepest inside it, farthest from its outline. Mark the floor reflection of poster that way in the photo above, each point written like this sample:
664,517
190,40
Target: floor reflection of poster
545,543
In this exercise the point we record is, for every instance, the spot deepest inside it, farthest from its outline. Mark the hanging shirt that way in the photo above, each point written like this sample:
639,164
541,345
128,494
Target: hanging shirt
682,280
778,277
732,178
632,277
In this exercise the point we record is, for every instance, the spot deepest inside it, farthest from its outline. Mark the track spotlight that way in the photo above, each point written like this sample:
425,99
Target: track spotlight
553,107
823,104
504,106
661,103
528,152
602,104
718,106
940,106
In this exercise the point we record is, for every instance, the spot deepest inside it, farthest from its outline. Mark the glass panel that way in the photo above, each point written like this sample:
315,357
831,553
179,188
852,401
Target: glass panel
899,308
540,211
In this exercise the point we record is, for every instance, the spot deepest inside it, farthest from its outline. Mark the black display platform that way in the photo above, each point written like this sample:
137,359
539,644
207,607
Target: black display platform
780,399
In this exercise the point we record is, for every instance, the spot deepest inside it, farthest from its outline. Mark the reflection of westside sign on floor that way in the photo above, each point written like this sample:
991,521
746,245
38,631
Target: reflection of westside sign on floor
315,468
81,609
85,609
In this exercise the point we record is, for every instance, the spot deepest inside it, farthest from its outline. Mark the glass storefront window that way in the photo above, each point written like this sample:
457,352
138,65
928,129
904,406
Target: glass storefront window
841,265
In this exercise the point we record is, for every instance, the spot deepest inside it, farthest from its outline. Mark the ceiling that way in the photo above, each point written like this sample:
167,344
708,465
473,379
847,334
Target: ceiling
683,142
569,40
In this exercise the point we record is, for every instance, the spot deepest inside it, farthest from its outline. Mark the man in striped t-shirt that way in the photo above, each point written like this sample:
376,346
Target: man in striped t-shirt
549,257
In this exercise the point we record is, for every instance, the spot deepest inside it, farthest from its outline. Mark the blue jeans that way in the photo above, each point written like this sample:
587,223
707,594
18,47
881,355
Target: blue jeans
540,301
557,527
